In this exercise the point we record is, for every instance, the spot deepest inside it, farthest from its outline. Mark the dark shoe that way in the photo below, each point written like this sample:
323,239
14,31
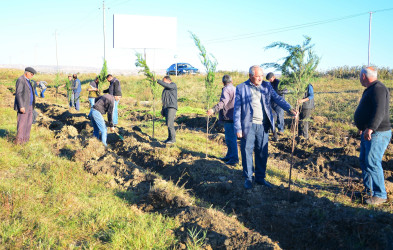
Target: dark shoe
165,141
223,159
247,184
170,142
264,183
375,200
232,163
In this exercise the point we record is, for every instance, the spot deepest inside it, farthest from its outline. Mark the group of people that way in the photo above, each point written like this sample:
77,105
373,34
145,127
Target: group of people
247,112
105,104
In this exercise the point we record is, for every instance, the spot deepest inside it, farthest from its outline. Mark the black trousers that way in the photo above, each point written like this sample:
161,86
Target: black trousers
170,114
304,116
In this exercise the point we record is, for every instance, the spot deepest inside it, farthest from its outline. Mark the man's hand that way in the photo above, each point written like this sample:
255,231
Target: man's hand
239,135
210,112
295,113
112,129
22,110
367,134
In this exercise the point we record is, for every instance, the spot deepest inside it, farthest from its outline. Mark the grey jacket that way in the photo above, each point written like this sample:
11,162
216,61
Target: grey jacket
22,94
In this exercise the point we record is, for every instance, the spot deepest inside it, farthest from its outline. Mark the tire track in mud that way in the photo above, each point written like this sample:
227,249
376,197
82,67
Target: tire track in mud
303,221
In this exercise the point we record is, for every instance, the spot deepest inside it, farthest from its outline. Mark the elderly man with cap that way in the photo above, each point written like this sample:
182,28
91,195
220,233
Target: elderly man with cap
24,105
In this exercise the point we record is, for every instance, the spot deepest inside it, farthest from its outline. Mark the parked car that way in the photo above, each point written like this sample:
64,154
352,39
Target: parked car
182,68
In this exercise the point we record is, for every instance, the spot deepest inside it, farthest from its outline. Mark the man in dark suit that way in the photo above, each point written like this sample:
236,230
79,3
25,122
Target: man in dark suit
24,105
253,118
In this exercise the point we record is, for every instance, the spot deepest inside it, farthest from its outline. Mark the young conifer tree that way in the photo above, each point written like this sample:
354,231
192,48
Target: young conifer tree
151,78
102,75
57,83
297,69
210,63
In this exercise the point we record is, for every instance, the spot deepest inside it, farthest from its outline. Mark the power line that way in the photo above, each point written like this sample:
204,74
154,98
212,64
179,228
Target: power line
120,3
288,28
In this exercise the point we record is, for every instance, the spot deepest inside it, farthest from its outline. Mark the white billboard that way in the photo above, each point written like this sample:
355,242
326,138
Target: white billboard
144,32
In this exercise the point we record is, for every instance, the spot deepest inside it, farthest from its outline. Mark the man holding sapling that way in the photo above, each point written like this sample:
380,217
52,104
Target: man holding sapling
24,105
103,104
278,111
225,108
307,105
169,106
114,90
253,119
94,92
372,118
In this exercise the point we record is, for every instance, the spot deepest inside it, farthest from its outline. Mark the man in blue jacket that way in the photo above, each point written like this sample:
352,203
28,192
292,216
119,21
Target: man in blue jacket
76,91
252,120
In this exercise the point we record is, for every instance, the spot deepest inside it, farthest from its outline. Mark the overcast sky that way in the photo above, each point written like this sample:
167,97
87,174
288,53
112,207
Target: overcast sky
235,32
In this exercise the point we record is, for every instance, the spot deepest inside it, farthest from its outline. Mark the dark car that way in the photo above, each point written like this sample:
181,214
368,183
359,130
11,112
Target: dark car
182,68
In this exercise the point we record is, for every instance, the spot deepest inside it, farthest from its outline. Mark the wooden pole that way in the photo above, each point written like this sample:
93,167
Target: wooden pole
295,122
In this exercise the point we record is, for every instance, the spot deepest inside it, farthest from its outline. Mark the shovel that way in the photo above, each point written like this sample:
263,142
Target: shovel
120,136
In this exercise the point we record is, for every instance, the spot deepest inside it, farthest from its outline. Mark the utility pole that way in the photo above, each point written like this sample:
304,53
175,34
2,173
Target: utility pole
103,22
57,60
369,37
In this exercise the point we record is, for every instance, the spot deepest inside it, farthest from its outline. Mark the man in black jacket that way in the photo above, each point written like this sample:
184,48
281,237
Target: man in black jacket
169,106
24,105
103,104
114,90
372,118
278,111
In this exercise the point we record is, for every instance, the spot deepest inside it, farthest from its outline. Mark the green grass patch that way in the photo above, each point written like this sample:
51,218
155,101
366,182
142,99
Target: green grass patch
47,201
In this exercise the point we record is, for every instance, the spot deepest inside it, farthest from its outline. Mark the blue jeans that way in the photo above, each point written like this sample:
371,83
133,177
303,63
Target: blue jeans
279,113
42,93
97,120
370,158
115,116
76,99
92,101
231,141
71,99
255,141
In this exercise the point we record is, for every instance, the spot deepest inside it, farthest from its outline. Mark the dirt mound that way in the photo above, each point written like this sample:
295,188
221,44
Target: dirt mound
67,132
92,149
199,122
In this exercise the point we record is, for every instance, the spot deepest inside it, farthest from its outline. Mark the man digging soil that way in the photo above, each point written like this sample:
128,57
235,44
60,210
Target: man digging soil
103,104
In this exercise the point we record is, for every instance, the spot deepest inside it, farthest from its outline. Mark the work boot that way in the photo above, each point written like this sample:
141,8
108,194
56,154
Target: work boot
247,184
375,200
264,183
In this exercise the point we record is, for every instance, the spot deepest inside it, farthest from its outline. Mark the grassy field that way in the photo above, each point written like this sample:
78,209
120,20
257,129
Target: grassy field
51,201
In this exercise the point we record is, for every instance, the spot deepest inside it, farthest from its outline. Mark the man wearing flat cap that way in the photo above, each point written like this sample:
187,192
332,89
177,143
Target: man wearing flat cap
24,105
